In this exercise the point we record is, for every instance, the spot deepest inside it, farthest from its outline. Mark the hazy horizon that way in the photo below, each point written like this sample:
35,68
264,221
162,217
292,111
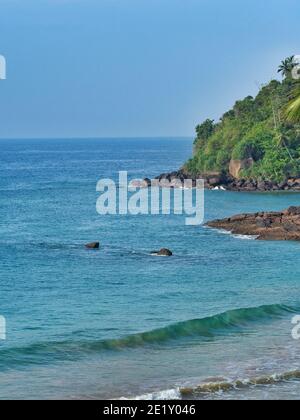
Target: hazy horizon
157,137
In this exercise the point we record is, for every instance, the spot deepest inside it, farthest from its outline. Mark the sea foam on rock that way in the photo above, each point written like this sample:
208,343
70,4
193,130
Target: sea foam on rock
224,181
276,226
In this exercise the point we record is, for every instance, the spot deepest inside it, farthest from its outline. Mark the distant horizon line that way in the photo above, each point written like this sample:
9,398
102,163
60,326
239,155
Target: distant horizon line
98,138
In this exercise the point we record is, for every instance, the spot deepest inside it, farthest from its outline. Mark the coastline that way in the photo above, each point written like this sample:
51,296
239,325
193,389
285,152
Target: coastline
226,182
65,351
268,226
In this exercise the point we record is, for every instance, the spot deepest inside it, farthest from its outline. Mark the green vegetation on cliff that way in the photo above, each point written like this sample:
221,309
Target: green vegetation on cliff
292,113
264,129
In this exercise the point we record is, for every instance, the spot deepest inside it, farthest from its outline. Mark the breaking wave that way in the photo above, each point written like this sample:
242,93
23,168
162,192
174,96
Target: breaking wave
204,328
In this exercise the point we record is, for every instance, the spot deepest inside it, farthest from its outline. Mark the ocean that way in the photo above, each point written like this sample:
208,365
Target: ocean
214,321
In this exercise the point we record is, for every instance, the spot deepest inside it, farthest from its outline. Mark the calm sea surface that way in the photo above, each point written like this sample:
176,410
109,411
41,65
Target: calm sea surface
213,321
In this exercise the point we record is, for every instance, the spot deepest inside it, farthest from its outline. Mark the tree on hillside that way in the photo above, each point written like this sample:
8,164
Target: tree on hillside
265,128
205,130
286,66
293,108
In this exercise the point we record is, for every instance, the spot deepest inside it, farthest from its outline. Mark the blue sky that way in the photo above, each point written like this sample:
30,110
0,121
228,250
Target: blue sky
98,68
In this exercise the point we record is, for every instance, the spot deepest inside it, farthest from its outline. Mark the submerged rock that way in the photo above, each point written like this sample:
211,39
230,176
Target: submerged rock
164,252
93,245
270,226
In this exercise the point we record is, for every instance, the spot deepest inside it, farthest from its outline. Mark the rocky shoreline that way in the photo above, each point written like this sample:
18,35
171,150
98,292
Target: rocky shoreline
216,181
269,226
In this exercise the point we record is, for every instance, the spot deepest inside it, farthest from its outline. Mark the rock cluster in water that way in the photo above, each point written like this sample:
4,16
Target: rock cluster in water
277,226
164,252
215,180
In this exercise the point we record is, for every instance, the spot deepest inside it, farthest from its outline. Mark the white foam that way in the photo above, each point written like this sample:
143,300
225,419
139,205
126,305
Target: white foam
234,235
221,188
225,232
245,237
168,394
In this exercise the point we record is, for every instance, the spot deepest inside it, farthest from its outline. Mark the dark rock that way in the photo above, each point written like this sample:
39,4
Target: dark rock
260,222
294,210
216,179
214,182
291,183
174,175
290,227
93,245
264,186
164,252
261,185
282,185
237,218
277,226
263,222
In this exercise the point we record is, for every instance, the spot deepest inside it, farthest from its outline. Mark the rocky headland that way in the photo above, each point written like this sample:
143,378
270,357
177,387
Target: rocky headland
250,148
270,226
215,180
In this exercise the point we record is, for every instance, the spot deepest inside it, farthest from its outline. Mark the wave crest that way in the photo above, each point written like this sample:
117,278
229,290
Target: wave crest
204,328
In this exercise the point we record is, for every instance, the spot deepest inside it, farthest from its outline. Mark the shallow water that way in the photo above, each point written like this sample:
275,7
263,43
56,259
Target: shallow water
118,322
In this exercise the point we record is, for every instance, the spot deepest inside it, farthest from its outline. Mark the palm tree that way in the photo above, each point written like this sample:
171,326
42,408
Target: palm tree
286,66
293,109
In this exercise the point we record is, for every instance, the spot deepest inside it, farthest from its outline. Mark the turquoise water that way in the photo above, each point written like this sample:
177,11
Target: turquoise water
119,322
